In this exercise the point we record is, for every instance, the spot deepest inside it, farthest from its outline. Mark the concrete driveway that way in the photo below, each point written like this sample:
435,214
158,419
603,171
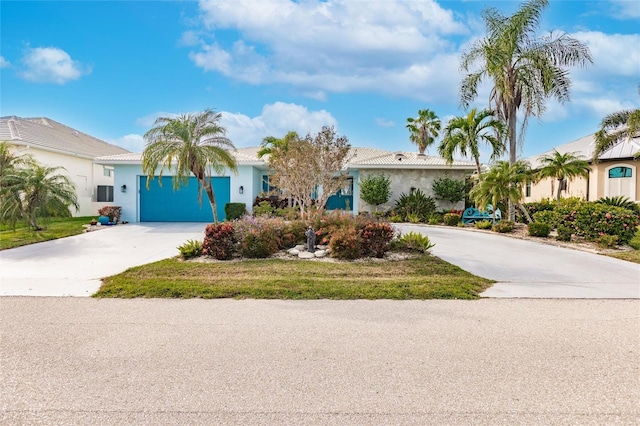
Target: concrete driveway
74,266
529,269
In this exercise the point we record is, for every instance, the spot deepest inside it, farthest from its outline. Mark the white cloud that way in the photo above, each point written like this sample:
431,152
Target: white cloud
274,120
383,122
625,9
613,54
4,63
335,46
132,142
51,65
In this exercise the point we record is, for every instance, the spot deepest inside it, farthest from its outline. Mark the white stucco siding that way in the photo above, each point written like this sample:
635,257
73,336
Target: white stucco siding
245,179
82,172
402,180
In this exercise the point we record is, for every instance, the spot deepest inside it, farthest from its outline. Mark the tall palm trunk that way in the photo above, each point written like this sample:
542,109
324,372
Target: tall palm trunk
208,189
512,151
559,190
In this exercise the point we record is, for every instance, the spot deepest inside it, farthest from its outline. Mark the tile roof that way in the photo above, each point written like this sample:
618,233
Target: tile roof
624,149
49,134
360,157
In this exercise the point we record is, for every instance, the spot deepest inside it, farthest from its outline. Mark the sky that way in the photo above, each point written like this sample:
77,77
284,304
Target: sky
110,69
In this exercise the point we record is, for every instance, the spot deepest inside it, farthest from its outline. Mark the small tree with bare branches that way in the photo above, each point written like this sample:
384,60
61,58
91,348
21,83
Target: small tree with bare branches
310,168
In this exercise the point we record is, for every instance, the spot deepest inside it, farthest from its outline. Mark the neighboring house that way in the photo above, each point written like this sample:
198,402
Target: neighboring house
163,203
615,173
56,145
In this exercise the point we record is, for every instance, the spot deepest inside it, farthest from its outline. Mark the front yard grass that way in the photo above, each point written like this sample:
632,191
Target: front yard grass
424,277
54,228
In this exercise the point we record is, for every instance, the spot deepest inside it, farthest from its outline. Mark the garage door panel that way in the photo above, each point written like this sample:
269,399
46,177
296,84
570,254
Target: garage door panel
163,203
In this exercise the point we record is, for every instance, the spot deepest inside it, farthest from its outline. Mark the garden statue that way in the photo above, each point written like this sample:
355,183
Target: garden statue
311,239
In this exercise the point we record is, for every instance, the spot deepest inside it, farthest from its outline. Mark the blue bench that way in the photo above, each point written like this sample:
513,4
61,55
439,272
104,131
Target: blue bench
471,215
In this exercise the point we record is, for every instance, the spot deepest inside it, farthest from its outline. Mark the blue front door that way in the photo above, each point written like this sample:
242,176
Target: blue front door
161,203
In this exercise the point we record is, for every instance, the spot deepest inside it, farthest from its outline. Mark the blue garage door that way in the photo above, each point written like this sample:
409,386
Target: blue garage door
164,204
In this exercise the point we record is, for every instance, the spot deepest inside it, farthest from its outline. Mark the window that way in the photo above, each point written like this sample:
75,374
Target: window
105,193
107,171
267,188
528,190
620,172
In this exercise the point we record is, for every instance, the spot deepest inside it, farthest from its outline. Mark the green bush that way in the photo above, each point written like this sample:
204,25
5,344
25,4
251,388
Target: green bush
539,229
263,208
564,233
592,220
448,189
257,236
533,208
413,218
503,227
376,237
414,241
234,210
621,201
346,244
192,248
547,216
607,241
452,219
415,203
375,189
436,218
395,218
483,224
219,241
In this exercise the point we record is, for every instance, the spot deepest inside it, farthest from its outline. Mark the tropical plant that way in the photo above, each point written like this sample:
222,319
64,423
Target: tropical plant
562,167
464,134
414,241
190,249
375,189
502,183
415,204
620,201
539,229
452,219
194,144
503,227
423,129
271,145
523,68
34,192
616,127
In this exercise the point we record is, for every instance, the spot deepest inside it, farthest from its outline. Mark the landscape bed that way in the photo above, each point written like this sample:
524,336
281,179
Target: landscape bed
420,277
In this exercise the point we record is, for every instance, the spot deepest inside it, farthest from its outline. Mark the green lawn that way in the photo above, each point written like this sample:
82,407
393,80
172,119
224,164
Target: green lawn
424,277
54,229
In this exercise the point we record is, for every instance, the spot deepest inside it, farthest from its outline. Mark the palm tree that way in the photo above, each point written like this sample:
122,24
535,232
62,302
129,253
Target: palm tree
502,183
563,167
270,144
616,127
524,69
194,143
10,160
464,133
423,129
36,191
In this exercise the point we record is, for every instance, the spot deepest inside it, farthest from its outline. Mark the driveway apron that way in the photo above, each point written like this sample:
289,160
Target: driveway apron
74,266
529,269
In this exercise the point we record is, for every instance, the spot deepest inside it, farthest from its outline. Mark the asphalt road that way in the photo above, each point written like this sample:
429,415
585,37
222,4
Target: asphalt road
492,361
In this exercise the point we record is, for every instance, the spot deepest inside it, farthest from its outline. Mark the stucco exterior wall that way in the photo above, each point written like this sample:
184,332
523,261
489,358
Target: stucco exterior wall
577,187
402,180
600,178
82,172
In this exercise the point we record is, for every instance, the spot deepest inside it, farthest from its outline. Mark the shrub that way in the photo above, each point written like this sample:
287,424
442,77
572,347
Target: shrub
452,219
346,244
375,238
414,241
327,224
234,210
483,224
413,218
621,201
436,218
607,241
113,212
264,208
219,241
503,227
291,233
416,202
395,218
275,202
539,229
533,208
564,233
547,216
257,236
192,248
375,189
448,189
592,220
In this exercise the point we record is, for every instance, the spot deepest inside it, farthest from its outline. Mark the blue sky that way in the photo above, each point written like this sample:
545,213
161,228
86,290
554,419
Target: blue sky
110,68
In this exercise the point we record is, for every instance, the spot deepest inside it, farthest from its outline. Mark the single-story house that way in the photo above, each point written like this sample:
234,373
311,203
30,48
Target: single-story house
614,174
162,203
55,145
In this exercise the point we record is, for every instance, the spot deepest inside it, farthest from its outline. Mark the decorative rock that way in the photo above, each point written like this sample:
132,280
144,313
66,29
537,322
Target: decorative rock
322,247
320,253
294,251
300,247
305,255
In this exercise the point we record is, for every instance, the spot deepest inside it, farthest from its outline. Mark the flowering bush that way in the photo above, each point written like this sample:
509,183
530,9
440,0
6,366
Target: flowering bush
219,241
113,212
593,220
346,244
257,236
376,237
